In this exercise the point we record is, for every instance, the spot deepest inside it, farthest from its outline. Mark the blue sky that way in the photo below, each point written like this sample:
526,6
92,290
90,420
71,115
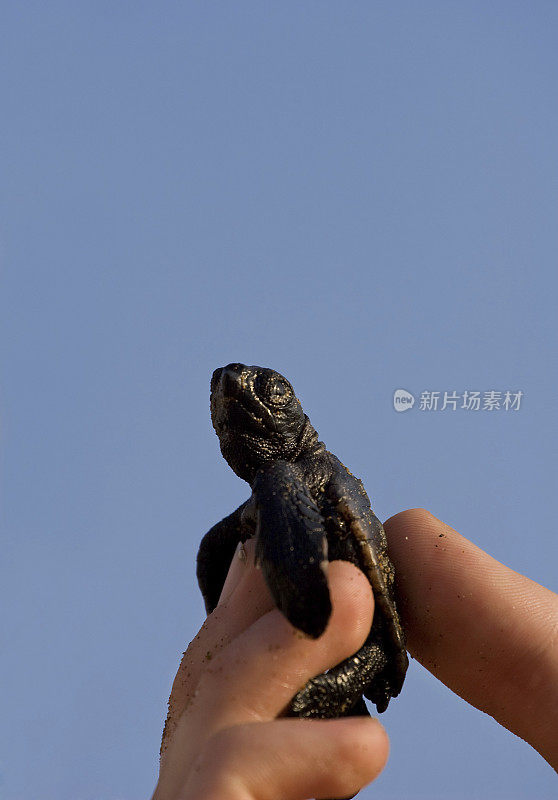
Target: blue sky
361,195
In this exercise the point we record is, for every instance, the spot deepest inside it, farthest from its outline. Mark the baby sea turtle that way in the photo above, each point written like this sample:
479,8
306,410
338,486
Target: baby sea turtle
306,509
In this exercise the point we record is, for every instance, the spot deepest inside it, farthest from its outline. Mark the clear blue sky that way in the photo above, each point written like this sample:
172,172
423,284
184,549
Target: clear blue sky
362,195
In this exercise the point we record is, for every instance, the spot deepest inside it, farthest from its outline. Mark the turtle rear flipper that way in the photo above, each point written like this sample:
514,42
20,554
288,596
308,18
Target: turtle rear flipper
291,546
338,692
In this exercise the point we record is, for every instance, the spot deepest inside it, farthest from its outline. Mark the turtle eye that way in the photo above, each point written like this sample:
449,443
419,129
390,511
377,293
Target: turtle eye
279,391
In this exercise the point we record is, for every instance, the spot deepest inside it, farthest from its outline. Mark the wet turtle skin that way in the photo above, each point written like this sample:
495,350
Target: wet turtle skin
306,509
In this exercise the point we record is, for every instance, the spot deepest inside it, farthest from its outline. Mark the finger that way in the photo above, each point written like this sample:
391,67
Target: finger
236,570
271,660
290,760
260,670
487,632
244,599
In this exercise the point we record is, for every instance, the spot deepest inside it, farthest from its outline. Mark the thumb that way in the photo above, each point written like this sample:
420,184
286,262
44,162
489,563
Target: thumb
489,633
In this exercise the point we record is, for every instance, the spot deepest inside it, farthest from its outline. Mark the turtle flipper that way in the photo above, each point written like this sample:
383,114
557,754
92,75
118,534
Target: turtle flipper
338,692
350,498
215,554
367,529
291,547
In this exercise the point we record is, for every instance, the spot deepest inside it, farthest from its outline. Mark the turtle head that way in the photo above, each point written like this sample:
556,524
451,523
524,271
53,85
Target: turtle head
257,418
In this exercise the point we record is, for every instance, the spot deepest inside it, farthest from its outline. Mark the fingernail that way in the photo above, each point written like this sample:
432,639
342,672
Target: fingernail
236,570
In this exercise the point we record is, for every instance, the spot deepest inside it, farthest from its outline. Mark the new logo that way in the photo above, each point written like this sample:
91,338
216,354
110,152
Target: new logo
403,400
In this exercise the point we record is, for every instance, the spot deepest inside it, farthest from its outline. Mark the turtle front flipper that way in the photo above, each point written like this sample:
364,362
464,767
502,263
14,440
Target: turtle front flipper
215,554
348,496
368,530
291,547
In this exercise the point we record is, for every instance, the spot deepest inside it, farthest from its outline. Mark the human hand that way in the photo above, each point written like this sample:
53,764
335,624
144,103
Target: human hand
223,738
488,633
